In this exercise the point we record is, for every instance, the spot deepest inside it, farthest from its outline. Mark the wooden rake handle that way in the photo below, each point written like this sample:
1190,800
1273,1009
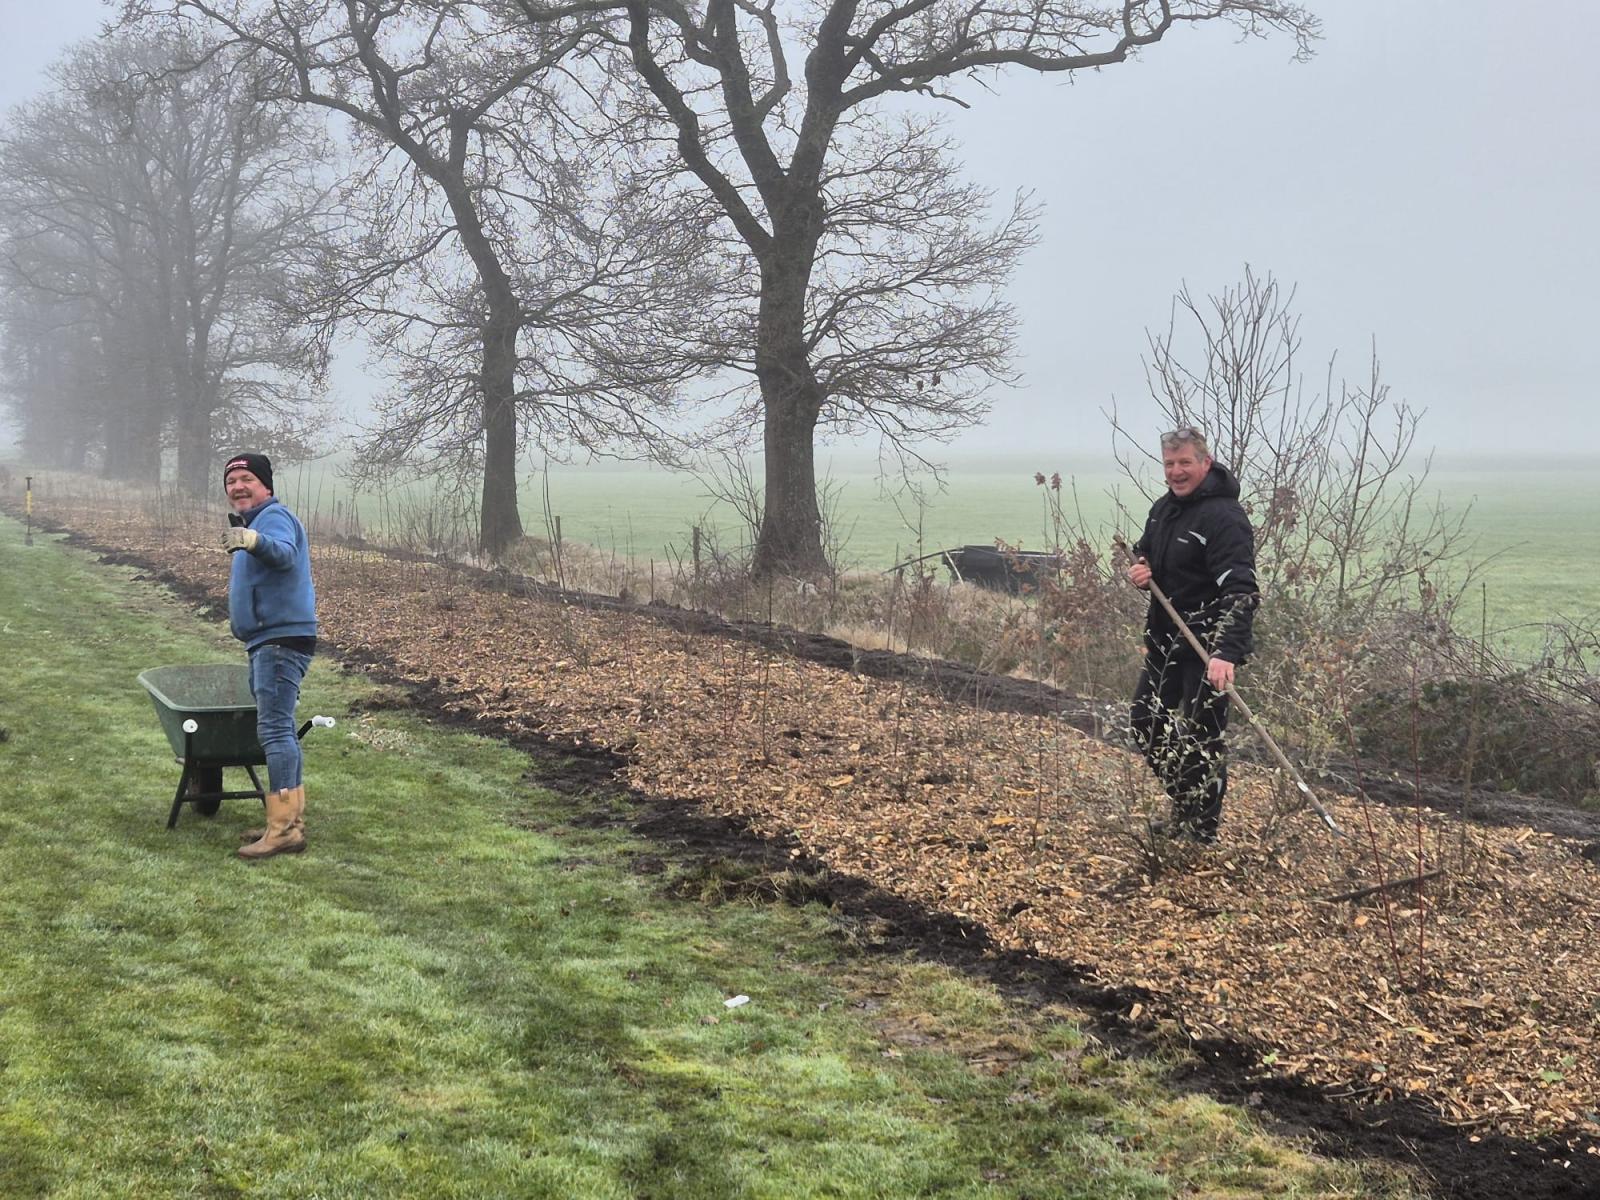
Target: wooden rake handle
1261,730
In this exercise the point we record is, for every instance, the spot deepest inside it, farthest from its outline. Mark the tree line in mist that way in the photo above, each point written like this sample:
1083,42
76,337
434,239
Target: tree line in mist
641,227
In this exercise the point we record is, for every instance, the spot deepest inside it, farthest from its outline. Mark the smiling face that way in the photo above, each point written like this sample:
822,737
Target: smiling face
244,490
1185,465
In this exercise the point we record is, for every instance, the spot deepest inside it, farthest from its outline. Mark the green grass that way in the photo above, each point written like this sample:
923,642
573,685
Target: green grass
457,992
1528,519
640,511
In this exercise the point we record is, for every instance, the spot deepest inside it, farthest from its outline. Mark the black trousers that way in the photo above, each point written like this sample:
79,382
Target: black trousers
1178,722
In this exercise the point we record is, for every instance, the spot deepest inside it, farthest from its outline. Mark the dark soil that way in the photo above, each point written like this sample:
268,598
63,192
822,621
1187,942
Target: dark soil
1458,1163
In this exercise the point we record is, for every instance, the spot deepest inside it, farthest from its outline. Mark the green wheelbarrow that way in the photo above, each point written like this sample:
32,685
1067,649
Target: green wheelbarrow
209,717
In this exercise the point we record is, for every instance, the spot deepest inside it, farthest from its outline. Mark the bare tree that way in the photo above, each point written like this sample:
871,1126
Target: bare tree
240,217
501,267
873,300
1327,472
1361,570
609,285
172,218
52,370
82,275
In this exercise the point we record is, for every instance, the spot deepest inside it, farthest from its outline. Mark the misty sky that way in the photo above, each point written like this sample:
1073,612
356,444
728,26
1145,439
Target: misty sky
1430,179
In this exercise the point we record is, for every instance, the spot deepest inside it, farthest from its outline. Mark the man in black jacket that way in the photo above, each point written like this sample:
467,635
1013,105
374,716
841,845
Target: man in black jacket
1199,549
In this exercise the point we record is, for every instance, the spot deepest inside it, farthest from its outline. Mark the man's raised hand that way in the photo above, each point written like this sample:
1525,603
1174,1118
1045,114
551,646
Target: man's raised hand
238,538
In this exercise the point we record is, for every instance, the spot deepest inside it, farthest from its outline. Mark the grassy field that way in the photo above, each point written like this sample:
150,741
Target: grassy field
1528,520
458,991
1534,525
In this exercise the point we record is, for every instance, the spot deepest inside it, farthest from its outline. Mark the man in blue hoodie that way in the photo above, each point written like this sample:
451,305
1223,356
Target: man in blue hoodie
1199,549
273,610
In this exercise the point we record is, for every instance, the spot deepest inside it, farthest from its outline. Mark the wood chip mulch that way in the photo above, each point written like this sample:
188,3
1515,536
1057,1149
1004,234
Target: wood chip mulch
1472,993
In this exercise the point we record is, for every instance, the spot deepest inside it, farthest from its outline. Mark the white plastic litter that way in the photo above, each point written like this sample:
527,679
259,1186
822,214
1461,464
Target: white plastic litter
735,1001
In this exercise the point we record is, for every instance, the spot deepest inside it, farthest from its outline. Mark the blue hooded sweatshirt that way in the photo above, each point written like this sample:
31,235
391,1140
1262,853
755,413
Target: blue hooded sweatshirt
269,588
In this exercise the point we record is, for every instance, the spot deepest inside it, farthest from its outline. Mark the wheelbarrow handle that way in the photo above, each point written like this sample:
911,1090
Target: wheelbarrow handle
193,726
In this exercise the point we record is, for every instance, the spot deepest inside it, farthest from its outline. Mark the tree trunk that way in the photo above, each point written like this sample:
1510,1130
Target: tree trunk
790,542
74,453
133,425
499,523
133,448
144,440
111,435
196,454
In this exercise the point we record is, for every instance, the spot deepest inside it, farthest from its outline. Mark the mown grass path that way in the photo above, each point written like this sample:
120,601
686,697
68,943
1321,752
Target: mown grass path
458,993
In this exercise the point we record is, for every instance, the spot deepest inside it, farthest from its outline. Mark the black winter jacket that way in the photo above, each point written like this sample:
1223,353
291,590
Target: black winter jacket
1202,554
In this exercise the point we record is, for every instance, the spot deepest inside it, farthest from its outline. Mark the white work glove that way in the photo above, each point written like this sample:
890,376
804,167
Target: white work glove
240,538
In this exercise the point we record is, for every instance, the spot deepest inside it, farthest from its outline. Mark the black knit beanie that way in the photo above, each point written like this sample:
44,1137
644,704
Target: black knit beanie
258,465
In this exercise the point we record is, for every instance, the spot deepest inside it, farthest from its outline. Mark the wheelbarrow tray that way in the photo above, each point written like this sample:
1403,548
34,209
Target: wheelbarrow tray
215,701
217,698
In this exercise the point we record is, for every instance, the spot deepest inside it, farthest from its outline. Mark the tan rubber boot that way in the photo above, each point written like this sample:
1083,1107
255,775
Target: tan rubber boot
284,833
299,795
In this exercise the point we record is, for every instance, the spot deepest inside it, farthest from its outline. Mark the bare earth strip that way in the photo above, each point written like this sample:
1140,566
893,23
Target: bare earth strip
1473,996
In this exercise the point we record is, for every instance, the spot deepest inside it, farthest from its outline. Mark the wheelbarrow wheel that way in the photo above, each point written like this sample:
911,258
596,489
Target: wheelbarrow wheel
206,779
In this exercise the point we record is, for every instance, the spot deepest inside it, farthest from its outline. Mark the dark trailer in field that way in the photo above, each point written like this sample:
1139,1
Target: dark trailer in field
998,570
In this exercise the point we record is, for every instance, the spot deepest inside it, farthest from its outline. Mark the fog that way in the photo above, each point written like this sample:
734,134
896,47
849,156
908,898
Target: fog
1426,182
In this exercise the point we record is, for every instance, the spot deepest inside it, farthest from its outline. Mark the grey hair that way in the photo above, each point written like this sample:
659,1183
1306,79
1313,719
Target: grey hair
1186,435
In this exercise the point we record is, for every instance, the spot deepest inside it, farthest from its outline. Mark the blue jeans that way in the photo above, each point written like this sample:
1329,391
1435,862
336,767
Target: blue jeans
275,675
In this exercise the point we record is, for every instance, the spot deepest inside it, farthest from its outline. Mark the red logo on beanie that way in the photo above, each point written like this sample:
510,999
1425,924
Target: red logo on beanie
258,465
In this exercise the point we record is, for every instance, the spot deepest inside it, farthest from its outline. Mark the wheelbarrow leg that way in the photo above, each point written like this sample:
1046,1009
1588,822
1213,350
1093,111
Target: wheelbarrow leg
177,799
256,782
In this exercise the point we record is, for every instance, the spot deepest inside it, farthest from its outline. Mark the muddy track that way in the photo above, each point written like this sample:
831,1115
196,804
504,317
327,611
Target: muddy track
1458,1163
